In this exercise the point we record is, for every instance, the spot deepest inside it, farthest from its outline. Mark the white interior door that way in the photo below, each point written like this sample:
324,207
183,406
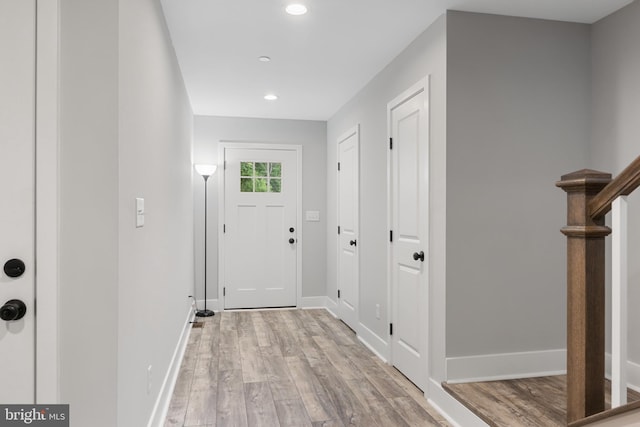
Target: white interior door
348,265
409,158
260,228
17,170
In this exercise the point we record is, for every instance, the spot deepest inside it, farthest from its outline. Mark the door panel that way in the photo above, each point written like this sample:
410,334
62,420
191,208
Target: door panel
260,208
348,274
409,219
277,231
17,170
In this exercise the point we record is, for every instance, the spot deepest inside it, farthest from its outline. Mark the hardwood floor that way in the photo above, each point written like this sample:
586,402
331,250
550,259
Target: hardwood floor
528,402
289,368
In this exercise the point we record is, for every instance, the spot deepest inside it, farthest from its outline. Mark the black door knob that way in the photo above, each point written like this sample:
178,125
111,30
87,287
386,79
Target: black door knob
13,310
418,256
292,241
352,243
291,229
14,267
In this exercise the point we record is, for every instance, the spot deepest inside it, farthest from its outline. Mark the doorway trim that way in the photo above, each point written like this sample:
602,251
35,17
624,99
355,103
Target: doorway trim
421,85
250,145
47,357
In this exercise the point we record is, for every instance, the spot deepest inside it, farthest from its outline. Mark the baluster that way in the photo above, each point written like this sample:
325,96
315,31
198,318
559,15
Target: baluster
619,302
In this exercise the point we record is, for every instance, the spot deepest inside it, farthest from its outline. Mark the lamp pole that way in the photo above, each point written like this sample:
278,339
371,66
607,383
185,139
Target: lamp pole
205,171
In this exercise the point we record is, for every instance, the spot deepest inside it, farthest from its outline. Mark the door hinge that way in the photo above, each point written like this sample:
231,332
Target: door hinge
391,235
224,228
338,166
390,143
390,328
338,229
224,292
224,165
338,293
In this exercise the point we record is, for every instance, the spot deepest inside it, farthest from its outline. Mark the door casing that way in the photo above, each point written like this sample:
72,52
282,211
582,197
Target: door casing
224,144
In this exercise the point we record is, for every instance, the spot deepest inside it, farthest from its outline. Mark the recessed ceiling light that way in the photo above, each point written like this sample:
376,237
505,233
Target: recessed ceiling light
270,97
264,59
296,9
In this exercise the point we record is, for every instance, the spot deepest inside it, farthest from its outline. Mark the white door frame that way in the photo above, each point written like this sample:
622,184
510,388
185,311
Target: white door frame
421,85
352,131
224,144
47,189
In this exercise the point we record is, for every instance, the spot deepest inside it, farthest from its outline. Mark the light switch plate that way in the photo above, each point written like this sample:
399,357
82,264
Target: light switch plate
312,216
139,212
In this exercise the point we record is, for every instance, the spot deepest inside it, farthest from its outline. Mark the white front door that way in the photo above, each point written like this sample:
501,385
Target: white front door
409,162
17,189
348,198
260,227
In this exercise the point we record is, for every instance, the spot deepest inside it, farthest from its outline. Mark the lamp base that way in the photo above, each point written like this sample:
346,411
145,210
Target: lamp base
204,313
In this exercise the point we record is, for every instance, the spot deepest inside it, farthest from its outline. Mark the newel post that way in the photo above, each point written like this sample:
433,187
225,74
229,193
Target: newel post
585,294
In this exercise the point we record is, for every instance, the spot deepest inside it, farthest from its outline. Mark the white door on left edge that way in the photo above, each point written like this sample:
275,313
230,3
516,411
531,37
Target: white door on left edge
17,187
260,247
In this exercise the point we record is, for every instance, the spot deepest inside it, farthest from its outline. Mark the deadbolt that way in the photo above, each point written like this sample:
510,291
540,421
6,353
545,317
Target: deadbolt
14,267
292,241
291,229
13,310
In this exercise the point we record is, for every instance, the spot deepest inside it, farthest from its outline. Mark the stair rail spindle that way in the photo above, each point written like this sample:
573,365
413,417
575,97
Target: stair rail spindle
619,285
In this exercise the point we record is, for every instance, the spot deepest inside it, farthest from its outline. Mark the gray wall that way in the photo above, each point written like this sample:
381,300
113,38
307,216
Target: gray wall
208,133
125,132
424,56
517,119
616,128
156,261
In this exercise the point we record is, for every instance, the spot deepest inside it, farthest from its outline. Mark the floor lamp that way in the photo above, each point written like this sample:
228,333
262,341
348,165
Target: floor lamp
206,171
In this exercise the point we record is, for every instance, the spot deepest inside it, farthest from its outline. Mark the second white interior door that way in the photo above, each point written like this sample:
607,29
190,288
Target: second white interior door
348,274
260,228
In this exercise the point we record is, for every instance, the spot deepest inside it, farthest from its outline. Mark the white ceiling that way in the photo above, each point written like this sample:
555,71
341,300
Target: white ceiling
319,60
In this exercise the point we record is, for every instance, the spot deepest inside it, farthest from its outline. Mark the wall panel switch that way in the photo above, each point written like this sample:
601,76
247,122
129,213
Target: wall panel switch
312,216
139,212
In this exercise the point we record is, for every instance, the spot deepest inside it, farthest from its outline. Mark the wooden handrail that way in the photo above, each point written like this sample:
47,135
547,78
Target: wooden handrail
622,185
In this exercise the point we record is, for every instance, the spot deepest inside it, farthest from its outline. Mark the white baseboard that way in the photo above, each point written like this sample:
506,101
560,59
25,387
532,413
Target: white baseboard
633,372
331,306
633,376
455,412
212,304
523,365
305,302
373,342
504,366
161,406
313,302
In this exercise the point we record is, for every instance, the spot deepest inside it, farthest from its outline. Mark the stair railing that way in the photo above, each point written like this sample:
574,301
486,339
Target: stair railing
590,196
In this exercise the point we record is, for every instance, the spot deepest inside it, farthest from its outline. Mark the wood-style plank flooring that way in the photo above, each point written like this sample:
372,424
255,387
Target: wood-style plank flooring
289,368
528,402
